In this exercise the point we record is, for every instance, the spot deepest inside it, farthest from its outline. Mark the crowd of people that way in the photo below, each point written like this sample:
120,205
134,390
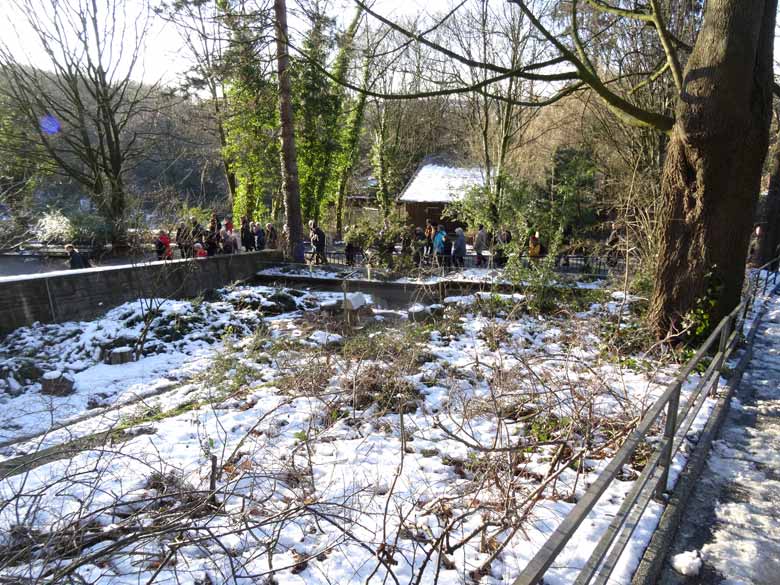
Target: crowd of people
193,240
433,245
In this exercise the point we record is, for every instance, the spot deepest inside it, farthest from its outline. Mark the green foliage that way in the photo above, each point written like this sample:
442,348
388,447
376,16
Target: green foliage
201,214
573,185
22,164
251,121
698,321
377,238
537,275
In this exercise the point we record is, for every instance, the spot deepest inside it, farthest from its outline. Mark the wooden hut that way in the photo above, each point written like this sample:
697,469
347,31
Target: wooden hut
432,187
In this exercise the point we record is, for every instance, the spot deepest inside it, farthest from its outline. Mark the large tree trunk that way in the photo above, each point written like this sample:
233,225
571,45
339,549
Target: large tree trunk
290,185
712,171
769,239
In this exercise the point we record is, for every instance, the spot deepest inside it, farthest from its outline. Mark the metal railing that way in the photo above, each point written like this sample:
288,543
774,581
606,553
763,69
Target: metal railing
653,481
570,264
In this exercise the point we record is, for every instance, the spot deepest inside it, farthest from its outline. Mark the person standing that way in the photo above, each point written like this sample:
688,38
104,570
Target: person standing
162,246
459,249
430,232
247,237
227,242
259,236
182,236
271,237
438,244
534,246
418,246
480,245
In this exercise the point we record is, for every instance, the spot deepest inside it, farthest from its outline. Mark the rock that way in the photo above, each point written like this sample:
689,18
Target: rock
284,301
56,383
420,313
326,339
28,370
331,307
14,387
436,311
121,355
355,301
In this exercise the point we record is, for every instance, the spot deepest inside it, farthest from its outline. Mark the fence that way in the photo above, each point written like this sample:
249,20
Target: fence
654,478
574,264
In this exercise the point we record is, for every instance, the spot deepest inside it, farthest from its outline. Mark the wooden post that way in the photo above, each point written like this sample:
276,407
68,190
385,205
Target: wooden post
213,482
671,427
724,337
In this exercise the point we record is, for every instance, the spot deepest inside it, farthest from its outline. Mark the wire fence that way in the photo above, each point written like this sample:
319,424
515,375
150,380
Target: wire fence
564,263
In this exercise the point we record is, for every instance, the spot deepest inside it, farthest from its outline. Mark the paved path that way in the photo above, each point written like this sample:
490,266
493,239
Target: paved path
733,517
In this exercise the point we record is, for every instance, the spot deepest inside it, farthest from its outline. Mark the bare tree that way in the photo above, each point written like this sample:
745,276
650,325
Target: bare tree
204,34
83,105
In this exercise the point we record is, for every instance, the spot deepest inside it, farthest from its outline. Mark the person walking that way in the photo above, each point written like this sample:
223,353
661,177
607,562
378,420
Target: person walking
76,260
459,248
317,238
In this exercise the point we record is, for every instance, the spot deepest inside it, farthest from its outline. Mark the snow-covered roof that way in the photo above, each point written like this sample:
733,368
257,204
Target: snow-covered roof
436,183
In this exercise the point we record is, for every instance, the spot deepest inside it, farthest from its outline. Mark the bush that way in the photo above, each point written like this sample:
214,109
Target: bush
54,228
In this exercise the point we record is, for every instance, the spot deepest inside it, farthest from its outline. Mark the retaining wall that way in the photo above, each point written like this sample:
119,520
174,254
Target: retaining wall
69,295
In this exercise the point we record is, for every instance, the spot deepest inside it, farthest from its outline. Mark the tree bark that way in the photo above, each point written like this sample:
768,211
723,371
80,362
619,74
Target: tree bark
712,172
769,239
290,184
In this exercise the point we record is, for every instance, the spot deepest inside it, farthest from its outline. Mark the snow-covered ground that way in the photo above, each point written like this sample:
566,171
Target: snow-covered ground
443,451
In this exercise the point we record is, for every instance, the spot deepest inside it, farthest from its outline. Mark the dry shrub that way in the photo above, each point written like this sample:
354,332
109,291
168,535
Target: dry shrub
385,388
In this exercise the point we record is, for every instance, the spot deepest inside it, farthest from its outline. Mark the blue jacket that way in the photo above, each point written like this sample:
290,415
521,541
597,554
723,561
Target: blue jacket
438,242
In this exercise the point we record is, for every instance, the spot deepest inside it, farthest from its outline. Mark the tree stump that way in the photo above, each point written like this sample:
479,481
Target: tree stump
121,355
57,383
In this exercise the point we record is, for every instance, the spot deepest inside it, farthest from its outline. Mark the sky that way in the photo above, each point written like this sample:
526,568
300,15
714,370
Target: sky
164,57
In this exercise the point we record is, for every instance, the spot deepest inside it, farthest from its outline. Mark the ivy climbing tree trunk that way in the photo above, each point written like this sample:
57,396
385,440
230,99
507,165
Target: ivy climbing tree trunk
349,150
712,170
290,185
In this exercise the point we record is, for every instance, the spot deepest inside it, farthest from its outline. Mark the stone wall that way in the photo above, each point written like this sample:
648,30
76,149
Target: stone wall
69,295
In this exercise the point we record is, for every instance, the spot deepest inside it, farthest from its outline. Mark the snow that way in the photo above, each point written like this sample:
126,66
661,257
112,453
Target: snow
687,563
354,301
743,545
325,338
307,470
434,183
470,275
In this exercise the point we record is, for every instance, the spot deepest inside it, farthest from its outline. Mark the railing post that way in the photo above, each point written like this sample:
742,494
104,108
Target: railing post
724,338
671,428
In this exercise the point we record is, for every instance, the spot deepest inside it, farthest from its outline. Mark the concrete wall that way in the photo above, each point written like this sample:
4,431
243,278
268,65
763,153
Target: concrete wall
68,295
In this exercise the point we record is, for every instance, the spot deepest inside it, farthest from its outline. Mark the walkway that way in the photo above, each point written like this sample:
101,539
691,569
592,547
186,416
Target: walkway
733,519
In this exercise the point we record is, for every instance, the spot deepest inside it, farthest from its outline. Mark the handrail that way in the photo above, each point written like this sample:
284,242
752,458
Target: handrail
654,478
